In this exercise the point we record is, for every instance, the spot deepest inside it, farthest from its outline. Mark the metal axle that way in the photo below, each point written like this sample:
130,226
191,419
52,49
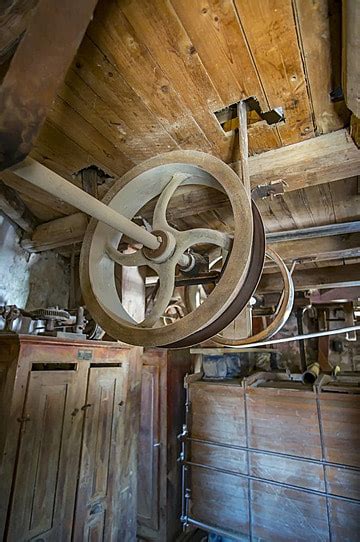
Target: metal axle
46,179
51,182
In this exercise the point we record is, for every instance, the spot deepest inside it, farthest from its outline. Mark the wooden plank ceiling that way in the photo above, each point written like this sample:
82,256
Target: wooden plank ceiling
150,75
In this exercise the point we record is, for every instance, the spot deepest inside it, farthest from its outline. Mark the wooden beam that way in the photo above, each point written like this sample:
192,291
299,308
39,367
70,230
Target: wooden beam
57,233
319,160
36,70
351,53
320,278
32,192
15,209
316,22
71,229
320,249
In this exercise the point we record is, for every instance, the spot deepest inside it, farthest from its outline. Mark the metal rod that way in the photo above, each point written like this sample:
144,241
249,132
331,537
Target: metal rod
273,482
42,177
302,337
261,451
299,319
317,231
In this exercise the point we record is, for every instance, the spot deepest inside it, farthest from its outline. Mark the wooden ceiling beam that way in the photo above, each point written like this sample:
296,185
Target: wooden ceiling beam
339,276
36,70
323,159
320,248
319,160
15,209
71,229
57,233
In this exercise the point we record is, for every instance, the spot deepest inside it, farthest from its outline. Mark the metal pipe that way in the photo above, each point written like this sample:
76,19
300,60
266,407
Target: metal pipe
273,482
317,231
302,337
311,373
261,451
42,177
299,318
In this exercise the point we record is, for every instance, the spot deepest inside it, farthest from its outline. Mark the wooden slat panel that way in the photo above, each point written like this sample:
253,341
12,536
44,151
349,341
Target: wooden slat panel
286,514
116,105
57,151
283,421
67,119
218,456
271,34
220,499
346,197
287,470
343,482
316,27
217,413
120,42
228,61
340,418
344,521
160,30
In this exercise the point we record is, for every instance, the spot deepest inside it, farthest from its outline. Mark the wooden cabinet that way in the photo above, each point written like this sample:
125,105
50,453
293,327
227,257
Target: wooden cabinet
68,439
272,462
161,418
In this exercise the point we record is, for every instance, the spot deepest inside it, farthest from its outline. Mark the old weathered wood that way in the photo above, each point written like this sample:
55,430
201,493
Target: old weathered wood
351,52
150,447
40,63
60,232
283,412
161,419
281,483
340,411
100,481
319,160
43,402
323,248
316,34
317,279
12,206
44,491
278,62
120,41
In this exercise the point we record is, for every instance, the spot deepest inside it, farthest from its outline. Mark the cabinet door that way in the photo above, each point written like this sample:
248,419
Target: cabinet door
45,481
149,449
99,512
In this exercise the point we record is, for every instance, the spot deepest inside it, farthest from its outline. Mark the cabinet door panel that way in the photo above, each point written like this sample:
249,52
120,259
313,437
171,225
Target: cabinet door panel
149,449
99,487
45,482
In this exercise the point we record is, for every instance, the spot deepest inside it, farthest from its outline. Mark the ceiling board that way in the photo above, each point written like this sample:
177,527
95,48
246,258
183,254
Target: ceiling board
150,74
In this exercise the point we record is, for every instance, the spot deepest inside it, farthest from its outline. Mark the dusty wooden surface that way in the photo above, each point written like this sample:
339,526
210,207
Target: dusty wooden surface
69,438
161,419
277,464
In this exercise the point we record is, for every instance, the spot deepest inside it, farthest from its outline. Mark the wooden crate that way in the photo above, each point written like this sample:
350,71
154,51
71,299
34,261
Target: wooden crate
272,463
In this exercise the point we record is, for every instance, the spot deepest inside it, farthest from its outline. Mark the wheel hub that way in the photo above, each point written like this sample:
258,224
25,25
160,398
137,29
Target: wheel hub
165,250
